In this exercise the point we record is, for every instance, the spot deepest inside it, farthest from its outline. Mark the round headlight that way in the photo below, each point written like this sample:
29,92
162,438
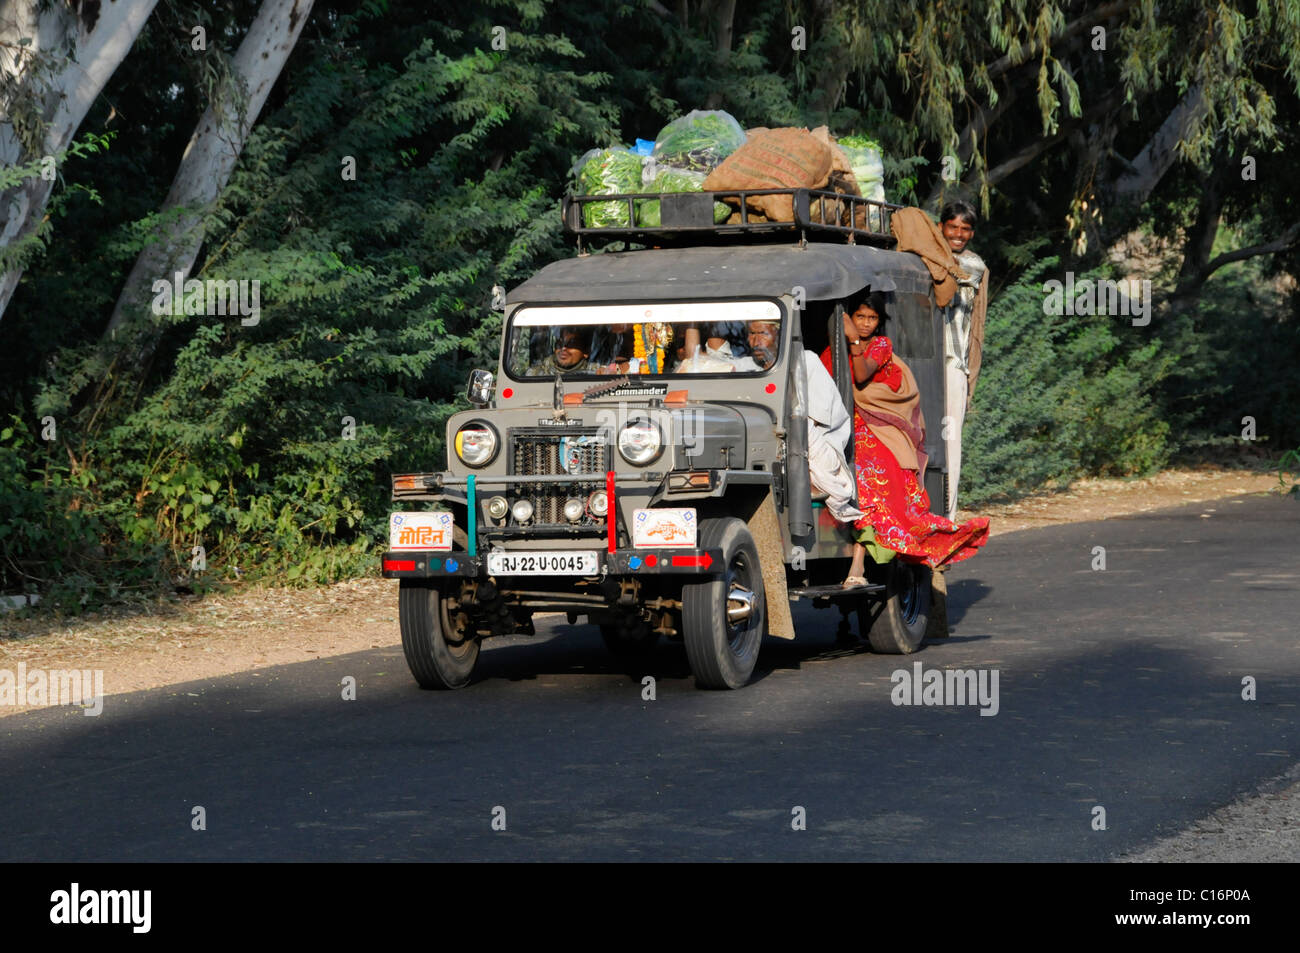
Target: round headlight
522,511
640,442
573,510
497,507
599,503
476,443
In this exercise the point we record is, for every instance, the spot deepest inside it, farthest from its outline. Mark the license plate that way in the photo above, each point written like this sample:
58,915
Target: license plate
668,526
419,531
567,563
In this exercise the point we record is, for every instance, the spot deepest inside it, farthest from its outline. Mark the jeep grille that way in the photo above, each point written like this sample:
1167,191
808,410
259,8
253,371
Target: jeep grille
582,453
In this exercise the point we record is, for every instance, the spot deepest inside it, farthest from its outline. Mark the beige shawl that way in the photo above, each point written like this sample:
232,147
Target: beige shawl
895,418
917,234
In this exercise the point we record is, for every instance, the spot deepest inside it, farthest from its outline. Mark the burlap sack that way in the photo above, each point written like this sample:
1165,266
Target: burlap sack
774,159
841,180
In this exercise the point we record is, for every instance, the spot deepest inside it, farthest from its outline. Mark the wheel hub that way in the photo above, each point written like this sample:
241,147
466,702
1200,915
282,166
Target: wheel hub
740,603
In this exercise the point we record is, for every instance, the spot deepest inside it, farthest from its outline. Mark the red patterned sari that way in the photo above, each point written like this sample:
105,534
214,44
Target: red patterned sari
893,500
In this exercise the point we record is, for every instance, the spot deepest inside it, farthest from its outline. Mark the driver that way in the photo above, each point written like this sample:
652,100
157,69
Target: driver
572,346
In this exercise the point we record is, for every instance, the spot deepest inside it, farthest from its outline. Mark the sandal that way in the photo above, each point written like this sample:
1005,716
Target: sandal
853,582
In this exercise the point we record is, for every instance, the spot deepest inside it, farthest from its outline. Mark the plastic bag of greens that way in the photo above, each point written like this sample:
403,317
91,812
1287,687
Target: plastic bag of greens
607,172
668,179
867,160
698,141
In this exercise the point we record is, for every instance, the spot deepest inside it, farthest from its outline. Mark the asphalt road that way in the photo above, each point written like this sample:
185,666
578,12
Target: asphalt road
1119,688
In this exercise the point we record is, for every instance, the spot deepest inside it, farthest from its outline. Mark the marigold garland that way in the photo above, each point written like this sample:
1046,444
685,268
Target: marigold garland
648,346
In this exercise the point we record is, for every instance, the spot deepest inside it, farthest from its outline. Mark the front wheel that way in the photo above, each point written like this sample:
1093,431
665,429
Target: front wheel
440,649
724,618
900,626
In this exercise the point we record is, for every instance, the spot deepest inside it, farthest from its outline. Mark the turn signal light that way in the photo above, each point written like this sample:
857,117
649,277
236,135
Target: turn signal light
691,480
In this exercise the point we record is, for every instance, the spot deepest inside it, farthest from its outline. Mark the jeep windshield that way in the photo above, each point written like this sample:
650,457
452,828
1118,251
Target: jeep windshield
659,340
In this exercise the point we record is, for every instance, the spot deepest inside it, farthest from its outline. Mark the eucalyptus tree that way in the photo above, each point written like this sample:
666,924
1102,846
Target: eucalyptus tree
55,57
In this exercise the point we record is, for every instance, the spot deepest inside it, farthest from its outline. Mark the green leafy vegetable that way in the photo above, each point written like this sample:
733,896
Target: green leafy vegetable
608,172
868,163
675,180
698,141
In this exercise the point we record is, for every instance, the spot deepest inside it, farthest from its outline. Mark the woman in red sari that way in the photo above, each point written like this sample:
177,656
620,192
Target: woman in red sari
889,455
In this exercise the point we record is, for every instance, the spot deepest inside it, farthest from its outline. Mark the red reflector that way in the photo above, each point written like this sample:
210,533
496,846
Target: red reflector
508,393
704,560
610,514
770,388
399,565
651,560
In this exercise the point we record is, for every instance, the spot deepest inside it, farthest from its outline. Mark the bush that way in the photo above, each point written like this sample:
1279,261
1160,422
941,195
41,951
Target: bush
1060,397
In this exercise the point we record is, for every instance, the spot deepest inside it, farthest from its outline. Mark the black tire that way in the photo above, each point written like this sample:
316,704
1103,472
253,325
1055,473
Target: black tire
900,626
440,650
630,643
722,654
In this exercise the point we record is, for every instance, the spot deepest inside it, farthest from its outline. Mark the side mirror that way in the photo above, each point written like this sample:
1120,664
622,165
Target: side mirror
479,389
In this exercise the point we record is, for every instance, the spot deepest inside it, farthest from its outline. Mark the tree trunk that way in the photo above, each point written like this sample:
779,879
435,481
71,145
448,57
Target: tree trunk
1161,151
831,70
210,157
1200,237
72,53
723,14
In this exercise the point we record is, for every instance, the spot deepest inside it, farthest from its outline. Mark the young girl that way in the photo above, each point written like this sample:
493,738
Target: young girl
889,455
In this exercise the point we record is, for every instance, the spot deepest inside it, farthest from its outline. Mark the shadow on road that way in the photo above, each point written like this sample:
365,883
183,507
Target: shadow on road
1142,690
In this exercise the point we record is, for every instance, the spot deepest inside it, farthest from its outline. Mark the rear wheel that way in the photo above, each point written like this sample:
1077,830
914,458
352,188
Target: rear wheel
724,618
440,649
899,626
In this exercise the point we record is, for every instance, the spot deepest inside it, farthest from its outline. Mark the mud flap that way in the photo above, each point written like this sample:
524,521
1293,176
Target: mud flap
938,624
766,531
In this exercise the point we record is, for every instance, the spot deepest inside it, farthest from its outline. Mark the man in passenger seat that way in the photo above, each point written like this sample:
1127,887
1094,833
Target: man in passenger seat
829,424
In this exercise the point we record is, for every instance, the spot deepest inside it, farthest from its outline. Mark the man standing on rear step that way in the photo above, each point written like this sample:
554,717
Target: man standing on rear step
963,336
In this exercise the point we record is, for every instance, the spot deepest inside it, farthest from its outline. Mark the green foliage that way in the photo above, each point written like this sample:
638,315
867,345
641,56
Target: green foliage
1287,470
375,287
1060,397
271,445
1237,344
22,253
53,535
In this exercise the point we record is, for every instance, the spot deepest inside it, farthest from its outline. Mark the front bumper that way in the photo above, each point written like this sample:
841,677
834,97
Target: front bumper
621,562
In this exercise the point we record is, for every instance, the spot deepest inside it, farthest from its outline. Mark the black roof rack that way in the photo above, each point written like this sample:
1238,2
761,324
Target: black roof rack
687,218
